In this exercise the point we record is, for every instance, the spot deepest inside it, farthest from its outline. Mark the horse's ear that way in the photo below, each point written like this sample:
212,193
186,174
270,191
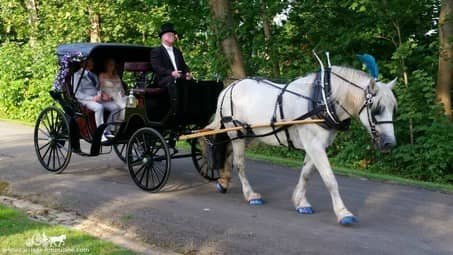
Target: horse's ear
392,83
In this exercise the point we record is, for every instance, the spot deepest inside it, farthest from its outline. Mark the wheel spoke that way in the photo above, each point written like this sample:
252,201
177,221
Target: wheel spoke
145,144
136,163
59,124
45,123
62,147
50,155
42,147
123,146
156,148
44,132
146,168
140,144
54,120
120,150
134,147
202,160
139,170
47,151
57,155
159,158
54,156
49,123
147,177
159,173
155,176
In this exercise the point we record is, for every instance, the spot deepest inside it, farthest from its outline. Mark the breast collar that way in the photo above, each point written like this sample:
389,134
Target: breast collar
322,97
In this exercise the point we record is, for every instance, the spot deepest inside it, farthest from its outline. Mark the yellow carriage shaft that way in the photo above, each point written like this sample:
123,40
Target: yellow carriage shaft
206,132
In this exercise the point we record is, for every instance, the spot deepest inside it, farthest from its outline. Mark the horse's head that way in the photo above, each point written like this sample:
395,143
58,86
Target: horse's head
377,112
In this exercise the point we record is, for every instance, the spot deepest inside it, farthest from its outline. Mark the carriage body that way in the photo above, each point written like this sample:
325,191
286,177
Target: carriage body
159,118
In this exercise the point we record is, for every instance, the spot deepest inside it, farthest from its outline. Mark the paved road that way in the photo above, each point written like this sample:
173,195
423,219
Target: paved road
394,219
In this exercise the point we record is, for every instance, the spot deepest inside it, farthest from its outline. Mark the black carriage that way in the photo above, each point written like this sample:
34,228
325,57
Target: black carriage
155,118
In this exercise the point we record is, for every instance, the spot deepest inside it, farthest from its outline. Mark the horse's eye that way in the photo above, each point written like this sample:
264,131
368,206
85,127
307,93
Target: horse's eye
376,111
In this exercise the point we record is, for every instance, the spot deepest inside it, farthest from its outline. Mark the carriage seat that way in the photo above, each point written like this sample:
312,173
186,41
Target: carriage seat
149,92
136,67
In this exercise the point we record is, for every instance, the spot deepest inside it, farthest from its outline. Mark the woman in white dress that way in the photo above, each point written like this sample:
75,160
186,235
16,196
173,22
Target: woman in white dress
112,86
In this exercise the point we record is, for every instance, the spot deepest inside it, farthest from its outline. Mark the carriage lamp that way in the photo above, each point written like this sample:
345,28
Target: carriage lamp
131,100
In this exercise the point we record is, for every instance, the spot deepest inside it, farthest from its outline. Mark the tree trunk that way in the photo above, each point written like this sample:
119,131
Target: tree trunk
95,28
445,72
221,12
267,37
32,20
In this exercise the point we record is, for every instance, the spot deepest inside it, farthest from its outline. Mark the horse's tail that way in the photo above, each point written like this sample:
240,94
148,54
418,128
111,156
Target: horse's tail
222,100
216,122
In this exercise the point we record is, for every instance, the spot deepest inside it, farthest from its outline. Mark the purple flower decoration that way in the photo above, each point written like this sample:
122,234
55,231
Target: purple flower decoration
65,66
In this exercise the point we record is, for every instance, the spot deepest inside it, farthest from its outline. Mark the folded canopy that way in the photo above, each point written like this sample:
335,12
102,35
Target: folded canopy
120,52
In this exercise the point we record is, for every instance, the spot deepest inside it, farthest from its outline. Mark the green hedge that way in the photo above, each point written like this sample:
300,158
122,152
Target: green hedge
26,77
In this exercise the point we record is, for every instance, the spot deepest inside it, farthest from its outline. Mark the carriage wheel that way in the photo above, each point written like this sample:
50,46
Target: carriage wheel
203,159
52,140
148,159
120,150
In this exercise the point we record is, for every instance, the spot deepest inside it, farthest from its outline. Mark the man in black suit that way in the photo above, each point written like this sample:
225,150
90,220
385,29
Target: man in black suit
167,61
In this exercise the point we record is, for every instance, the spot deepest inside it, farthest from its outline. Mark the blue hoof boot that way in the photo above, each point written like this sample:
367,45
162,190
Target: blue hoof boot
348,220
220,188
257,201
305,210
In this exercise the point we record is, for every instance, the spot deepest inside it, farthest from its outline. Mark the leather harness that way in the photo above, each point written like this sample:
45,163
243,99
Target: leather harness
320,108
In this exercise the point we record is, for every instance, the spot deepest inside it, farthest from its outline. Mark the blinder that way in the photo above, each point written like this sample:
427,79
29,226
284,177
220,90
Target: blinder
371,113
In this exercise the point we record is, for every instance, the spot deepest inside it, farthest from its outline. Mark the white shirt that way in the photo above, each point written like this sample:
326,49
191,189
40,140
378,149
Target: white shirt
172,55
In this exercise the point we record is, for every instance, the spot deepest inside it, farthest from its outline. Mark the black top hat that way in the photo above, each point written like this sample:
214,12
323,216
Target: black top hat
165,28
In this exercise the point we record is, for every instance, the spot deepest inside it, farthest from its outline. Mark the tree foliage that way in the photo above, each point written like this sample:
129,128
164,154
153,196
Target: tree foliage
276,39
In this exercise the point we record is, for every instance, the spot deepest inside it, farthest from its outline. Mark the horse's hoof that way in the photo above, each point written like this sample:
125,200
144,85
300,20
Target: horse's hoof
256,201
348,220
220,188
305,210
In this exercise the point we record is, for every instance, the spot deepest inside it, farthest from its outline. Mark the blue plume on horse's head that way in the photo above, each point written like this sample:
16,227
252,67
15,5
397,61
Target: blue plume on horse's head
370,64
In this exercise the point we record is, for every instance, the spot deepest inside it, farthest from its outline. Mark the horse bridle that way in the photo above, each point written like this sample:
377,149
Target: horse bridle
369,95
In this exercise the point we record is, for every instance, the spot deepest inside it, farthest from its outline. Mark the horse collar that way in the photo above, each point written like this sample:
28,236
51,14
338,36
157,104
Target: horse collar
322,98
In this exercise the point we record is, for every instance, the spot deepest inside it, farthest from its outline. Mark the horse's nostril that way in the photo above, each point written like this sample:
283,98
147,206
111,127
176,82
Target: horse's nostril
388,145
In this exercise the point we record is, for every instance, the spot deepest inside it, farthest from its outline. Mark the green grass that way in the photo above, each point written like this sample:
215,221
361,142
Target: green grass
17,231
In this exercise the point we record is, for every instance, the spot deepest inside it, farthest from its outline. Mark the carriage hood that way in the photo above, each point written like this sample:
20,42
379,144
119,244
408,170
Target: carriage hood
122,52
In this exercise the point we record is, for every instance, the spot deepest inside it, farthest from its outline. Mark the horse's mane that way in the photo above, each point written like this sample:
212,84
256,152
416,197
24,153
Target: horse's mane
359,77
384,95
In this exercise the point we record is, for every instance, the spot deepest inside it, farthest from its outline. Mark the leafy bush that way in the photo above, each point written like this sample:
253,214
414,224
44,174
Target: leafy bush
25,80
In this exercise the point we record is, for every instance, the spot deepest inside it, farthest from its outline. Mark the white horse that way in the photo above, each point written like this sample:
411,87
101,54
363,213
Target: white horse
353,93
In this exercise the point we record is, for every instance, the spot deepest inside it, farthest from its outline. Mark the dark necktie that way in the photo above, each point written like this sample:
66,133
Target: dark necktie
90,76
